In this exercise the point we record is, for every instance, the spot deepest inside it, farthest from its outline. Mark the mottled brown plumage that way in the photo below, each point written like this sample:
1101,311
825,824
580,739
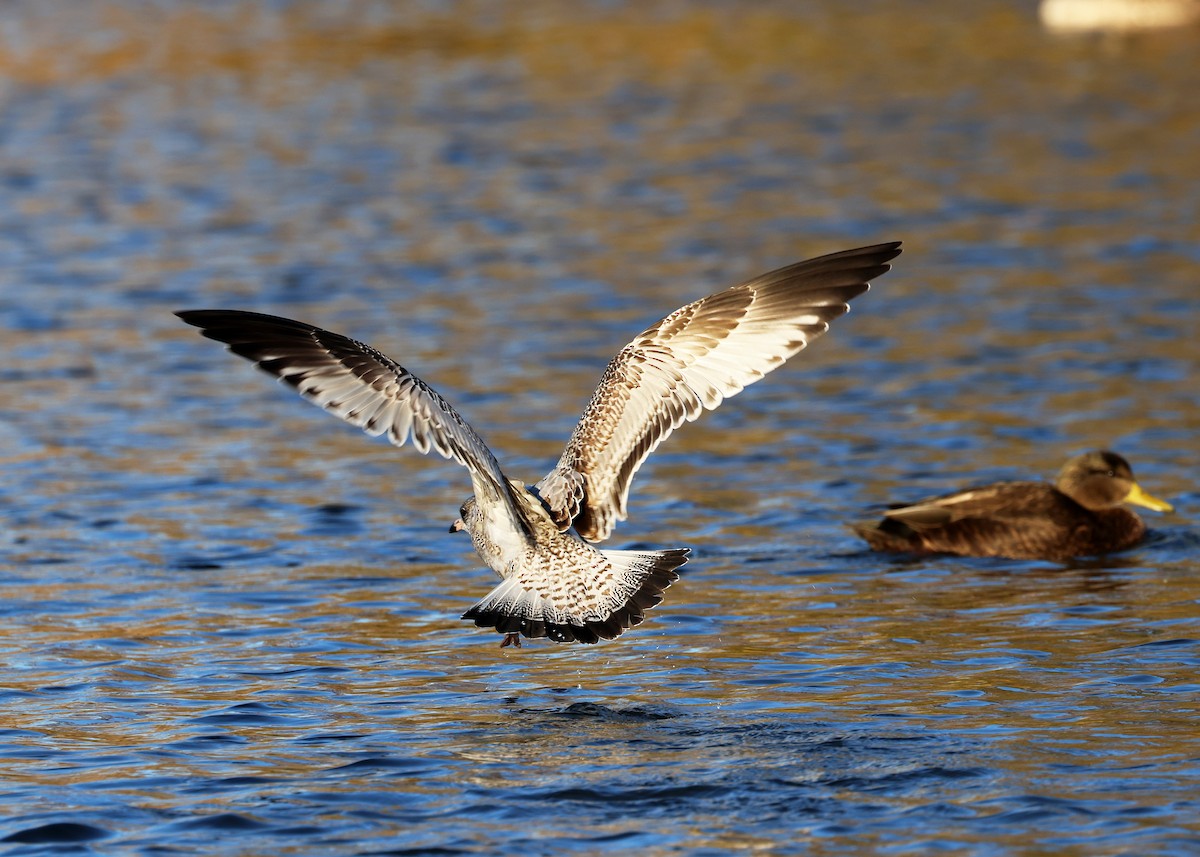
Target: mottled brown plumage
554,583
1080,515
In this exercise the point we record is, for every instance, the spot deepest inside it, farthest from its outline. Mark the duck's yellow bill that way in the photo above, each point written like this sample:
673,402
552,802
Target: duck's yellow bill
1138,497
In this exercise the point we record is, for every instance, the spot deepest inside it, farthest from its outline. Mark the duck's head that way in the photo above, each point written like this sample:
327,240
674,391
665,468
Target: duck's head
1103,479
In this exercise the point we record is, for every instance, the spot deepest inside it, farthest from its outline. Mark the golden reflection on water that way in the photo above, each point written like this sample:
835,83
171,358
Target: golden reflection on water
713,62
680,148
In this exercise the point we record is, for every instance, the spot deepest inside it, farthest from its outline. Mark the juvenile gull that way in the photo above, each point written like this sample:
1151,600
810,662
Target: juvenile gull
538,539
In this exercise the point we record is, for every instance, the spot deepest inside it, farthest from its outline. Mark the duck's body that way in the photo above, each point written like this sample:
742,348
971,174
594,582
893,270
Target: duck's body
554,583
1079,515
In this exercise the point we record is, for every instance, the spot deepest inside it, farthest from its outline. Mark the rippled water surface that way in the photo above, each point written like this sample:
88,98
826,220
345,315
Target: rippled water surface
228,623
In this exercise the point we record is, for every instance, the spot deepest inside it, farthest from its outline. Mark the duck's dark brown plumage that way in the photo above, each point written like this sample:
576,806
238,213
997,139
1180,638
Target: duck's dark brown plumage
1079,515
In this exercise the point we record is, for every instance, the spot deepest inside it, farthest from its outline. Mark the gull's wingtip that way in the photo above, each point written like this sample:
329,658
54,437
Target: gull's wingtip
198,317
890,250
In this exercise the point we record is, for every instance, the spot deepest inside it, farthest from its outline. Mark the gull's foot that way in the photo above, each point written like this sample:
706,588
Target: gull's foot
512,638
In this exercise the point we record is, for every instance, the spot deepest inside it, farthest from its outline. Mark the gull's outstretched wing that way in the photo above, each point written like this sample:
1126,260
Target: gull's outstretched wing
362,386
690,362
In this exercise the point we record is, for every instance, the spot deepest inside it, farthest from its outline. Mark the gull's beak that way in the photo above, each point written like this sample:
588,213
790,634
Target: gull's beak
457,526
1138,497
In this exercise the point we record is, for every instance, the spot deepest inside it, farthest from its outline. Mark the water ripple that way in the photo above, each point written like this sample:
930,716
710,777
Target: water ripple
230,625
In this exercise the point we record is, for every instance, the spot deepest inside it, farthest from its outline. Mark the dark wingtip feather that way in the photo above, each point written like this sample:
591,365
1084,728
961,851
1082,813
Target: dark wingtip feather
881,253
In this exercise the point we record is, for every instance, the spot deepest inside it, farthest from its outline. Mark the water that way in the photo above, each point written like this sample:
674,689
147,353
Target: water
228,623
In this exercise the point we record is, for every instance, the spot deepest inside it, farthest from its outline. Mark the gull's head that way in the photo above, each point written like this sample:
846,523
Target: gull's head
465,514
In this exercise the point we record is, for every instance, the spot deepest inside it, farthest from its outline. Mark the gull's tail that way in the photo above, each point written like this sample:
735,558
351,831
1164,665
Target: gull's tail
585,604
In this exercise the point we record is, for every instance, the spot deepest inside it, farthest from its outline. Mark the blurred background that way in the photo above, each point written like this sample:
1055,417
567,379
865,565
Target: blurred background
222,611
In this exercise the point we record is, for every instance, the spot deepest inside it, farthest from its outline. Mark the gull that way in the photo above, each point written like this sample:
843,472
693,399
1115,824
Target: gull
539,539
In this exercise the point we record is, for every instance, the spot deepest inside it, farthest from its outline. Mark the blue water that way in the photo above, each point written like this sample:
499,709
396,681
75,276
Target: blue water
229,623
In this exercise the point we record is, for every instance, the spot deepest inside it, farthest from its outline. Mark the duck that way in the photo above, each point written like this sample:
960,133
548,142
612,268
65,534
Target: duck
1081,514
